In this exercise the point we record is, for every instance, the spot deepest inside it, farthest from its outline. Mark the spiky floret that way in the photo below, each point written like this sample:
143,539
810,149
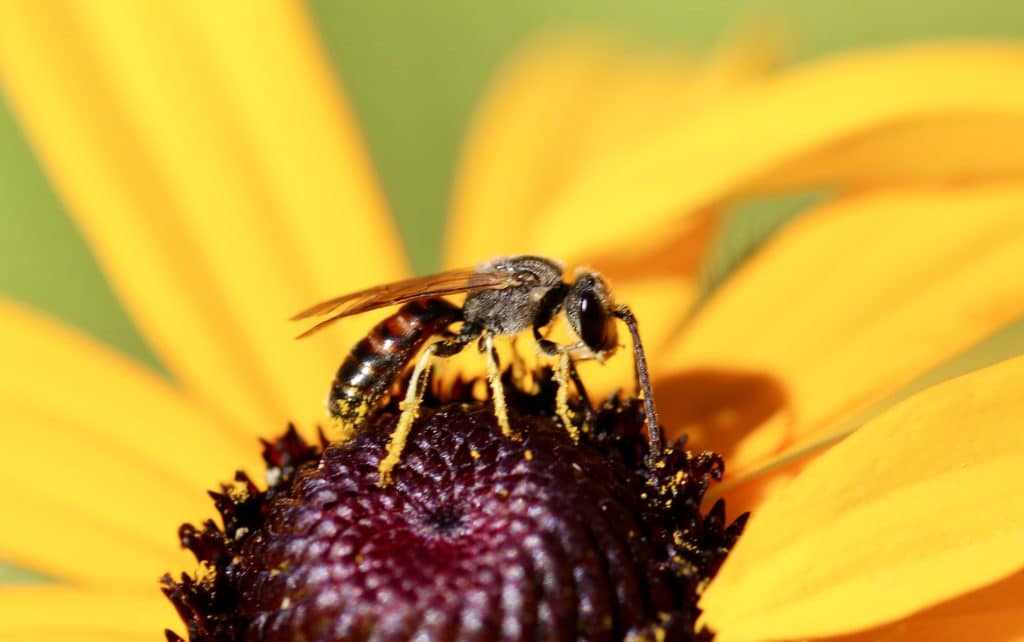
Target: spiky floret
480,537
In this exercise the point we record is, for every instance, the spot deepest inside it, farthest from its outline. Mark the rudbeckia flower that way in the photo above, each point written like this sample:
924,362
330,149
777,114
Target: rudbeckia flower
211,161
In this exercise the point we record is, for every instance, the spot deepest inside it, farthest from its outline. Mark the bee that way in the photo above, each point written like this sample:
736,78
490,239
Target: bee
504,297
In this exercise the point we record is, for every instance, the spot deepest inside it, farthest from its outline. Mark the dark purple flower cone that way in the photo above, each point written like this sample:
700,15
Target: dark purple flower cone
480,537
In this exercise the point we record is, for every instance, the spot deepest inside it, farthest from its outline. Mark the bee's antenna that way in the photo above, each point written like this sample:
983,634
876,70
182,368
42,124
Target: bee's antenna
654,436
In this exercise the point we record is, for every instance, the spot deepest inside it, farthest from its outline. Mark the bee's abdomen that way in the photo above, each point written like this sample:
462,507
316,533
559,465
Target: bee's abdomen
374,364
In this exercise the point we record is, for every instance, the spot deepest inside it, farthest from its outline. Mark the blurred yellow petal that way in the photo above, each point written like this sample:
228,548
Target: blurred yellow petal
217,201
992,614
68,541
921,505
553,111
933,148
45,612
559,107
79,635
74,478
66,465
840,310
99,442
712,156
93,396
514,155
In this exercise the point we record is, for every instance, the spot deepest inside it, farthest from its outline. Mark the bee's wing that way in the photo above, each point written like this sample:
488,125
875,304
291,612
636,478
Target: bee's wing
420,287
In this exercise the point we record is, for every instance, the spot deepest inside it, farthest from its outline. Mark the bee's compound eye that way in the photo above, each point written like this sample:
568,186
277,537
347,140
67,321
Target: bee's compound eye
596,327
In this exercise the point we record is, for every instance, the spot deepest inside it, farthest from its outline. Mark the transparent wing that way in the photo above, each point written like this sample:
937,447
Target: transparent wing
420,287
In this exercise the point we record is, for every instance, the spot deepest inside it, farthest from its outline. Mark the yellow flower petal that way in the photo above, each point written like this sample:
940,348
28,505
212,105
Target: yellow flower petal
921,505
64,541
92,395
66,465
221,183
932,148
517,143
714,155
79,636
558,108
849,303
45,612
992,614
92,433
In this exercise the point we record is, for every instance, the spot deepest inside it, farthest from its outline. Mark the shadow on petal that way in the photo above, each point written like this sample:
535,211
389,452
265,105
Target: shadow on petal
718,409
678,253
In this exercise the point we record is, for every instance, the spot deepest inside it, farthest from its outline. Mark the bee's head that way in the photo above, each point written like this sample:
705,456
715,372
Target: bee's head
589,308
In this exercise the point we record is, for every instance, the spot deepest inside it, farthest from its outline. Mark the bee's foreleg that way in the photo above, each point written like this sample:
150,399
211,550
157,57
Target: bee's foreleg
574,376
643,378
565,371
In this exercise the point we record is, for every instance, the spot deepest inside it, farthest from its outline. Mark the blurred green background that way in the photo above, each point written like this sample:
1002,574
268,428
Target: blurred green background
414,70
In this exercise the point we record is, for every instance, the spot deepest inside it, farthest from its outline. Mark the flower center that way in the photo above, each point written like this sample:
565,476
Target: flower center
445,520
480,537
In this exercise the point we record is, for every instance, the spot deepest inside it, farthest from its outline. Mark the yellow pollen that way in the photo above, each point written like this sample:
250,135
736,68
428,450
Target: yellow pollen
339,431
562,397
238,492
205,573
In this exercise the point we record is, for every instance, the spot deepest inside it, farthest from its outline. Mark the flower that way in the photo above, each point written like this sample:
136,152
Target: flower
207,170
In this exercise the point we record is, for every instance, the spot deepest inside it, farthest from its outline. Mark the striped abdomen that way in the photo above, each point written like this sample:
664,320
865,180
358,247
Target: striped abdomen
374,364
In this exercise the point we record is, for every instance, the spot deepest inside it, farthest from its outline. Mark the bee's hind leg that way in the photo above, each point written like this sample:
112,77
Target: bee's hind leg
410,405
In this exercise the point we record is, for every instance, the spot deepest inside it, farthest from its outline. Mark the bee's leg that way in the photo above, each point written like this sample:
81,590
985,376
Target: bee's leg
654,435
563,367
410,405
562,396
410,408
497,390
581,390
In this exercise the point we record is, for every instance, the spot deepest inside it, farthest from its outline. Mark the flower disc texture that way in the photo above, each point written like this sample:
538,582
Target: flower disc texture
480,537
